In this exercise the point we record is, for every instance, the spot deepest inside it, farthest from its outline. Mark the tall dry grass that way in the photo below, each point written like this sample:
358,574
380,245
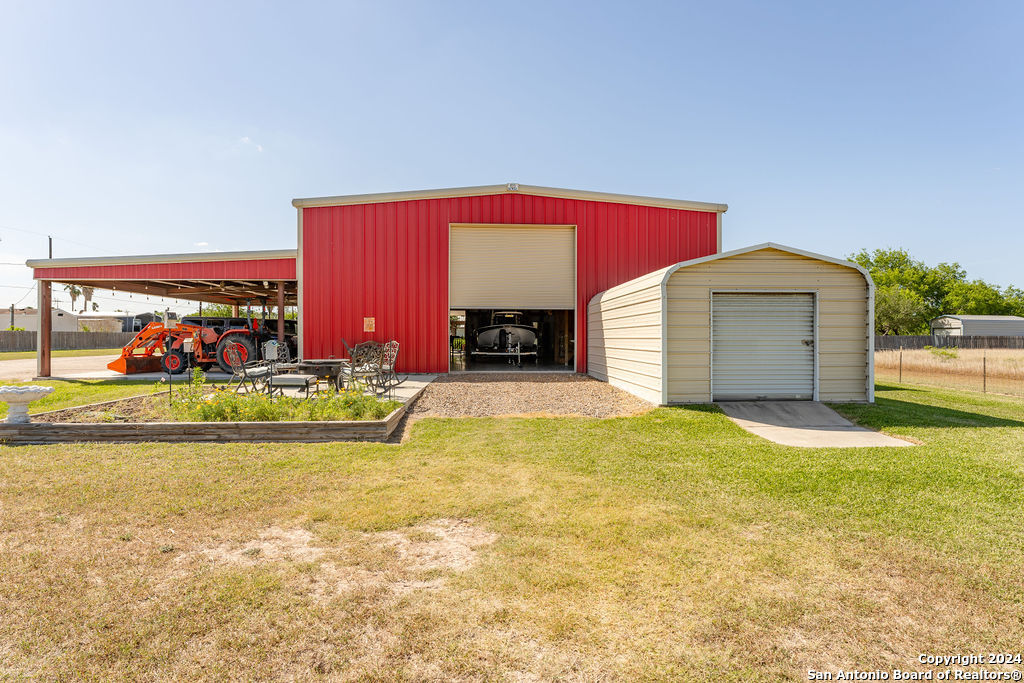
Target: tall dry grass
995,370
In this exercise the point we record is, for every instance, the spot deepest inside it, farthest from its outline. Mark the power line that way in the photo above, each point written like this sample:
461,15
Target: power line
63,239
31,289
126,299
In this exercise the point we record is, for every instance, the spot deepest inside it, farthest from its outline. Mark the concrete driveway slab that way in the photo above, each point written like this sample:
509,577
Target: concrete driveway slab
77,367
82,367
804,423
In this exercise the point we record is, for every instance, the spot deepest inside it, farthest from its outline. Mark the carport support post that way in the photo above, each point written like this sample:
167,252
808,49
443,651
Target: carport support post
234,310
280,313
44,336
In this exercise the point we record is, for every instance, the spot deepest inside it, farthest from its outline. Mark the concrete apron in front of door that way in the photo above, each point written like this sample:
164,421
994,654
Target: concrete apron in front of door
803,423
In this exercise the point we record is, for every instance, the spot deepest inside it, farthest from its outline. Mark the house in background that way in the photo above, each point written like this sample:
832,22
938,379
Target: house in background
143,319
28,318
102,322
120,322
978,325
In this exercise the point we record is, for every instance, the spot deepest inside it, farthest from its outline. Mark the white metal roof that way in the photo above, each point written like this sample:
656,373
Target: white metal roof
162,258
667,271
990,318
514,188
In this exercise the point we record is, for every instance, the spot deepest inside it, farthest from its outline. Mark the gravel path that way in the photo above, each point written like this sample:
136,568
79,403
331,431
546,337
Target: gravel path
533,394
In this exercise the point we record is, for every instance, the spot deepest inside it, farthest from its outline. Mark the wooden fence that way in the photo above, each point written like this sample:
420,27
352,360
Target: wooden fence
894,342
11,340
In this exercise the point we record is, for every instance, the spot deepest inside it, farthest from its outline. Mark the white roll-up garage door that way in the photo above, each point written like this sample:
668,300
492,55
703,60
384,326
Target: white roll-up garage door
512,267
762,346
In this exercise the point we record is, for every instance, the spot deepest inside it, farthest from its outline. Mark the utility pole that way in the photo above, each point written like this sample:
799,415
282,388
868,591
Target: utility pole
12,316
51,246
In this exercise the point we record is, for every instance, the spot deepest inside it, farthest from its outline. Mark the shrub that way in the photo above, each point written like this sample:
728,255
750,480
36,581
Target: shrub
194,404
945,354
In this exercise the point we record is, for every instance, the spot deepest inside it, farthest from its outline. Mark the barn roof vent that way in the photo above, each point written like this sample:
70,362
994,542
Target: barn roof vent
512,187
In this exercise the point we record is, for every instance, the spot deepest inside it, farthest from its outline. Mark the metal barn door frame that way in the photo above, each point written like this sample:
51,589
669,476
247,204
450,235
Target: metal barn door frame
575,280
711,329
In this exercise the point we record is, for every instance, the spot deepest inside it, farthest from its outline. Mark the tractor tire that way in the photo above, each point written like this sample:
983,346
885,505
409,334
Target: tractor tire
174,361
248,350
205,367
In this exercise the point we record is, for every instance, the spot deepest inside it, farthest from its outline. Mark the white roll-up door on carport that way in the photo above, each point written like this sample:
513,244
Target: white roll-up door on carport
512,267
762,346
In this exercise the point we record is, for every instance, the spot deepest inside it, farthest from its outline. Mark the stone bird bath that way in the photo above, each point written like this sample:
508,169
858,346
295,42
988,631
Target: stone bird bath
18,398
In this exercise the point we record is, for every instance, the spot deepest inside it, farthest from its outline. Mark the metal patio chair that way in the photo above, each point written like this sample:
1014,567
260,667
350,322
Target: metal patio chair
387,379
284,354
364,365
277,382
253,377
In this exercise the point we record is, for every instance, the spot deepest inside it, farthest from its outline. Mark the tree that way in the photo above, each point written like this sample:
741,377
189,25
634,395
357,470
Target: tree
896,268
87,295
224,311
977,298
74,291
215,311
899,311
1014,300
908,290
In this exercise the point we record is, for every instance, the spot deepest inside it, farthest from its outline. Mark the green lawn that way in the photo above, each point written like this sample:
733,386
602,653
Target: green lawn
668,546
15,355
81,392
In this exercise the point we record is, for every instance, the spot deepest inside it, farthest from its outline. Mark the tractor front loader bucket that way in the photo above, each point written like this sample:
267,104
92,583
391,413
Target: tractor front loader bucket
131,365
148,341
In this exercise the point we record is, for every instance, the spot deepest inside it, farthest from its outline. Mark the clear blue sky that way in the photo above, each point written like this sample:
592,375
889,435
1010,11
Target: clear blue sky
144,127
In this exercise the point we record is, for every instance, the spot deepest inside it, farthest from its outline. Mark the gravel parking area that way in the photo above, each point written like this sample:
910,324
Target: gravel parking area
531,394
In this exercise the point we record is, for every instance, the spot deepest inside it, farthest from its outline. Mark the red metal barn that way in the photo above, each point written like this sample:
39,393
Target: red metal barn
380,266
425,268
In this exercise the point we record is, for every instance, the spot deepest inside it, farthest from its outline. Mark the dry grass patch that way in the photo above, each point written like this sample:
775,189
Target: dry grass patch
410,558
273,544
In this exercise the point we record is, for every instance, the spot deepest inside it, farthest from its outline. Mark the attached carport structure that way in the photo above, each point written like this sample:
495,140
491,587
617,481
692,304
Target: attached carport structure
233,278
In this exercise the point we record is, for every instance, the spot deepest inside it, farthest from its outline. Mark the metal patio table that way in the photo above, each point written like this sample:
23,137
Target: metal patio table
327,368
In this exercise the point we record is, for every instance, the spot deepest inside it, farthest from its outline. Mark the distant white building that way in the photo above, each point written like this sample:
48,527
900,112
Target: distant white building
101,322
978,325
28,318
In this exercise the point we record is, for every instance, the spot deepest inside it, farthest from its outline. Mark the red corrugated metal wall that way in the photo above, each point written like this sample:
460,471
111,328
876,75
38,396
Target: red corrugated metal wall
255,269
389,261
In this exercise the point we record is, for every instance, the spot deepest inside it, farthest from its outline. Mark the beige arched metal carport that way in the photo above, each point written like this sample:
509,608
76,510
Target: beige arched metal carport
765,322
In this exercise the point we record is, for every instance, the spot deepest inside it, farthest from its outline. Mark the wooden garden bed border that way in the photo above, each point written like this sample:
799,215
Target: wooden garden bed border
184,432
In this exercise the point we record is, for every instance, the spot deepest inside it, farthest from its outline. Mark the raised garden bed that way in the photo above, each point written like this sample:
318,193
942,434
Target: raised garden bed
109,424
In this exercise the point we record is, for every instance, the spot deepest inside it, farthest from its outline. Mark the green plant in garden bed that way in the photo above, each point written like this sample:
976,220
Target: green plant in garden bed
192,403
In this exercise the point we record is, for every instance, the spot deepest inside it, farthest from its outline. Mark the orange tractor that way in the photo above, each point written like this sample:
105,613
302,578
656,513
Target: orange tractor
197,342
